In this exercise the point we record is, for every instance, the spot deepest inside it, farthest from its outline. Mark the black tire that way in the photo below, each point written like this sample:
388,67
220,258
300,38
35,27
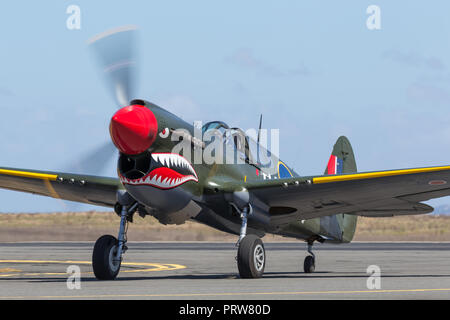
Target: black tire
104,268
309,265
248,265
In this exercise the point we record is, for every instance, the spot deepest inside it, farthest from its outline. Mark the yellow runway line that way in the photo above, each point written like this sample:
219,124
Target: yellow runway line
175,295
153,267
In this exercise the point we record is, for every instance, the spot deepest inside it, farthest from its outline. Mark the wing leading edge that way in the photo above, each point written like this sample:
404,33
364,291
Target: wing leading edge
380,193
80,188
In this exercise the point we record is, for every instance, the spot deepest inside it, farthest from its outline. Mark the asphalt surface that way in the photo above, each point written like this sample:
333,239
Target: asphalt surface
199,270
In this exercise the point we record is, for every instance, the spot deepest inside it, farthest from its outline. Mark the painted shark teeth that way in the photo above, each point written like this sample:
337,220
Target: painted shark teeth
173,160
165,176
158,181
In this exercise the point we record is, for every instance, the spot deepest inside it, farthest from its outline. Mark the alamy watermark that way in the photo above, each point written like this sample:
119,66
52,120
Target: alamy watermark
215,143
373,22
74,279
374,280
73,21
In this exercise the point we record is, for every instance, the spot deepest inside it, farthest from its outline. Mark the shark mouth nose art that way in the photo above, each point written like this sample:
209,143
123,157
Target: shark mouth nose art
168,170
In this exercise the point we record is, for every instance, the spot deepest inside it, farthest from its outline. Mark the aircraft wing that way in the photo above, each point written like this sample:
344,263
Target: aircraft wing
374,194
81,188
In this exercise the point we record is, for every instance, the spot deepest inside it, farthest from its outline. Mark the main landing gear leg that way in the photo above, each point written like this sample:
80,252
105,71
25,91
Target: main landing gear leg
251,256
107,254
309,265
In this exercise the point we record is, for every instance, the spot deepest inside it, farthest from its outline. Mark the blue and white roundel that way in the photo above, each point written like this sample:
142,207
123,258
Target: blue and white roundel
283,171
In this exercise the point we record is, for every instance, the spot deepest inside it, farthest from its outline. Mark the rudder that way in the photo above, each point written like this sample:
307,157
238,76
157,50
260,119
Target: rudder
342,160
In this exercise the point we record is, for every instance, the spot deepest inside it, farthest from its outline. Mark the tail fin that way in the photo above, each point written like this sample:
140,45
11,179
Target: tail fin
342,160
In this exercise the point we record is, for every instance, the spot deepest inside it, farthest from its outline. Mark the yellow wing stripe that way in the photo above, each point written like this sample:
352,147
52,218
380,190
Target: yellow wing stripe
370,175
27,174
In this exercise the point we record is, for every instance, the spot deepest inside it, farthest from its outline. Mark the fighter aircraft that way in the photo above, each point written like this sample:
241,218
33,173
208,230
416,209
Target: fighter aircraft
246,197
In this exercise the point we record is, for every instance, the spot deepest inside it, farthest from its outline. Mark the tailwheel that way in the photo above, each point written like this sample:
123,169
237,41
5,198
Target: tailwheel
309,265
251,257
105,261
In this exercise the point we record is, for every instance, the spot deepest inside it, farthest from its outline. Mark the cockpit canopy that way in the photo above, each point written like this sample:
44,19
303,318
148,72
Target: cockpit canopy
235,138
217,125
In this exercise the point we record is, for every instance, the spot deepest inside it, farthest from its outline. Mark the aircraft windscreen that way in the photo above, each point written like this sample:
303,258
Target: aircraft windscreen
217,125
244,146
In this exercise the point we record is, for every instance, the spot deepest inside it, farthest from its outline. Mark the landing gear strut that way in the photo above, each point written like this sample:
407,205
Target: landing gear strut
251,256
309,265
107,254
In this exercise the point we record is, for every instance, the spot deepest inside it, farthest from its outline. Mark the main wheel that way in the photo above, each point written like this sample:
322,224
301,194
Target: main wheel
309,265
104,262
251,257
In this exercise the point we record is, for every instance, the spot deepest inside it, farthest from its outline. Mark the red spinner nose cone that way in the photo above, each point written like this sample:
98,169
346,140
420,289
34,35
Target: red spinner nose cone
133,129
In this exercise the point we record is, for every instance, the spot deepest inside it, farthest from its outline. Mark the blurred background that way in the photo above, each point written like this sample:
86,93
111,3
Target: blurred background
314,70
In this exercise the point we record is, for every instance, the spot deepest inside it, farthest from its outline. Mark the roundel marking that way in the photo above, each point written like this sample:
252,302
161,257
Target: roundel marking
283,171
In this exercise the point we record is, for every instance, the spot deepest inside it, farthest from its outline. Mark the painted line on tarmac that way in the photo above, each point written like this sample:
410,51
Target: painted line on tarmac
177,295
144,267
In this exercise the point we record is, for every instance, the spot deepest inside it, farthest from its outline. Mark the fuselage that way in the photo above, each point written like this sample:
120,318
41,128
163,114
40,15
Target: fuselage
184,171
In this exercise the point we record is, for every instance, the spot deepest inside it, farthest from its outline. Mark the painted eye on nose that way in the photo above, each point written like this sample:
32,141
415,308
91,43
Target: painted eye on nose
164,133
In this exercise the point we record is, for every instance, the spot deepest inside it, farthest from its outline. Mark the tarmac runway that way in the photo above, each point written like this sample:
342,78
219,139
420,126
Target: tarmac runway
200,270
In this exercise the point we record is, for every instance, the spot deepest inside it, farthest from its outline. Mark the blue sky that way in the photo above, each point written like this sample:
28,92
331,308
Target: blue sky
312,68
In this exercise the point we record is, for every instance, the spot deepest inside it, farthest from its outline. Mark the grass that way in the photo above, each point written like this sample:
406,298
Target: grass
88,226
404,228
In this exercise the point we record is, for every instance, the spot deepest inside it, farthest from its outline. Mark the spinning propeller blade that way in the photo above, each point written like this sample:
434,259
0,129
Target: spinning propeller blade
93,162
116,51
